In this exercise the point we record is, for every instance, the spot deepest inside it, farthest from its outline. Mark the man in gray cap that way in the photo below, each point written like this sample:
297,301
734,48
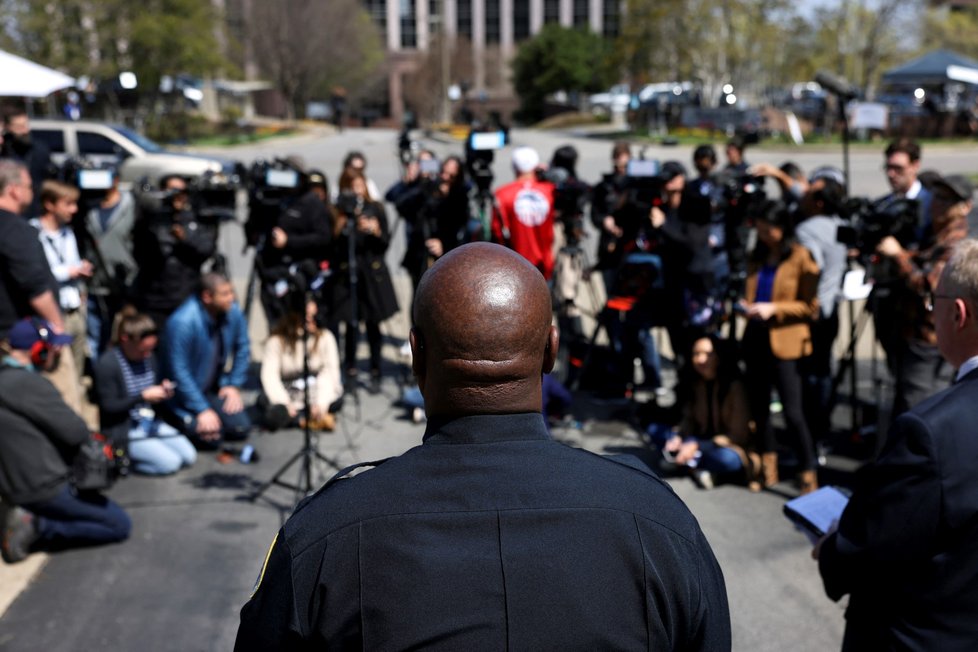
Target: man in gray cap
917,360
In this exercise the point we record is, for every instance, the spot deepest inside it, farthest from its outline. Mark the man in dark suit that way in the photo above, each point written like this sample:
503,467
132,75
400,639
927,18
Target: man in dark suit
906,548
489,535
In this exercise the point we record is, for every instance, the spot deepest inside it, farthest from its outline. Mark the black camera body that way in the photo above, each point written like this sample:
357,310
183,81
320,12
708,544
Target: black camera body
479,155
872,221
272,186
571,196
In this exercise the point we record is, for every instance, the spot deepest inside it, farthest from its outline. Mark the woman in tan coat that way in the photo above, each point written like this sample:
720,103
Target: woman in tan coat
780,304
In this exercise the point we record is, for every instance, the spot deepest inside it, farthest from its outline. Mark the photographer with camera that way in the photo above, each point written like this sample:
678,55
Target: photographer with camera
360,240
902,167
41,436
440,215
300,238
916,357
605,198
523,216
171,244
110,225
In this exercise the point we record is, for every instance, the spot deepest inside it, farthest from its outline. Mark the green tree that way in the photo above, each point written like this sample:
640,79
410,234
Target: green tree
559,59
955,30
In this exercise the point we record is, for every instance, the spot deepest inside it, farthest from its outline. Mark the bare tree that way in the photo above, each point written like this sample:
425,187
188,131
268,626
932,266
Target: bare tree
307,46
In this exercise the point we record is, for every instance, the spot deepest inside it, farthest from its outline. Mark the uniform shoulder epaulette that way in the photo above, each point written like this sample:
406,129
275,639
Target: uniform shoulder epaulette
342,474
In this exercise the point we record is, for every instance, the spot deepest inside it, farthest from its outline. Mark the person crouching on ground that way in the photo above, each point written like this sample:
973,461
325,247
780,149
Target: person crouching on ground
128,388
41,436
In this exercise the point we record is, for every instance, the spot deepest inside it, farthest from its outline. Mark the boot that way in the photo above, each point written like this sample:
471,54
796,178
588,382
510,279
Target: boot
769,469
754,472
807,482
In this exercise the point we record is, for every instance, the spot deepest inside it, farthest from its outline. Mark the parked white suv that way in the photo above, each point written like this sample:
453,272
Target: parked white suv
135,155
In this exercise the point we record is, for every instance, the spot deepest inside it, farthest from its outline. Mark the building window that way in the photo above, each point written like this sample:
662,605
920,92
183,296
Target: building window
551,11
612,18
581,13
463,12
378,14
409,27
492,21
521,21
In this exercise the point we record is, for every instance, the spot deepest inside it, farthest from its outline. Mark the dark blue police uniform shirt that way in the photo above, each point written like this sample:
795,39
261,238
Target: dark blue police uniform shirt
490,536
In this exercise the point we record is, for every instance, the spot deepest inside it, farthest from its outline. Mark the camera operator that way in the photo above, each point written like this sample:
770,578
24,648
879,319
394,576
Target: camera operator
817,230
110,225
605,198
902,167
41,436
917,360
300,237
790,179
171,245
523,216
441,215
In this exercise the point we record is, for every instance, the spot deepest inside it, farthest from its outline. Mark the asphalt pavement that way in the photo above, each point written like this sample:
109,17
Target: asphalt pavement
198,539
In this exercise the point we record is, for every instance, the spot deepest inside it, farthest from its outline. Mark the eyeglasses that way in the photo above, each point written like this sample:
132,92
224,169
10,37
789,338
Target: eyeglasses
931,297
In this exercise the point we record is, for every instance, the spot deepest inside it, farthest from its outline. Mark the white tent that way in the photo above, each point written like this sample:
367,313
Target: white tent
22,78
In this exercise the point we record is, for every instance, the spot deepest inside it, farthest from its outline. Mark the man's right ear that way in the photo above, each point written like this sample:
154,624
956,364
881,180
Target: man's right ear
418,361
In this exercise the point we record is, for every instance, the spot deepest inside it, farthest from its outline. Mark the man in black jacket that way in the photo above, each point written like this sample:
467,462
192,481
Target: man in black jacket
18,144
906,549
40,437
489,535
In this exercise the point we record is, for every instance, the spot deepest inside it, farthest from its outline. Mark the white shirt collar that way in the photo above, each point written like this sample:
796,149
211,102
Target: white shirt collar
969,365
914,190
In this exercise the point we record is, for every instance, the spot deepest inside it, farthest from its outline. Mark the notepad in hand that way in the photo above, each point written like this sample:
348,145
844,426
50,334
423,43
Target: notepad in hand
818,510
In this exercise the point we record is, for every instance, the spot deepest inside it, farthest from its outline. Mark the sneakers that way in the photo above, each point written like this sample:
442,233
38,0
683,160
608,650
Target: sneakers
703,478
19,533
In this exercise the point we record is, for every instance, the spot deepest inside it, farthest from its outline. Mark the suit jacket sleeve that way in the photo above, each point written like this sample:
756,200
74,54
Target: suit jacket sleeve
893,515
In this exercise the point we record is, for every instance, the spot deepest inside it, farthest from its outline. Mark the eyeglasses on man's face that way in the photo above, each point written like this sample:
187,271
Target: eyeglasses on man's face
931,298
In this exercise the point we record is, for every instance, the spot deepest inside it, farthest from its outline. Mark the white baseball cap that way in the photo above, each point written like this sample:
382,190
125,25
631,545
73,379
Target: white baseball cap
525,159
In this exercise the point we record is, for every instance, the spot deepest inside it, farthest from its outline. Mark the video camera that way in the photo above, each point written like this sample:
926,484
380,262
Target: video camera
570,198
271,185
92,178
872,221
479,154
211,197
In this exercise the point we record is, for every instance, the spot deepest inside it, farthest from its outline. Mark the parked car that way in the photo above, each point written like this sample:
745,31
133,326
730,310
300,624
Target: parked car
617,98
136,156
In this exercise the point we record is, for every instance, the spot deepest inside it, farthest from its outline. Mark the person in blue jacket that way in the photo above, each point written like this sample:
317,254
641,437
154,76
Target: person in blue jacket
201,335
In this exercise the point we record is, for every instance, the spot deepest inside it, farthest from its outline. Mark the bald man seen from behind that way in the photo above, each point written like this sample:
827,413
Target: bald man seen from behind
489,535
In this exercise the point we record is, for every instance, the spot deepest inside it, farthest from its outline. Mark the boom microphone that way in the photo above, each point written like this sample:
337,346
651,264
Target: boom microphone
836,85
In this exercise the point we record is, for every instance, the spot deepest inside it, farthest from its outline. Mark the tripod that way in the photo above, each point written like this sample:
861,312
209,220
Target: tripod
310,450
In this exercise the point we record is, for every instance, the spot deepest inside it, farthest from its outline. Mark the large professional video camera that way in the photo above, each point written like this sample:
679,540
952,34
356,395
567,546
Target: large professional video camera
570,199
479,154
739,195
871,221
212,198
92,178
272,185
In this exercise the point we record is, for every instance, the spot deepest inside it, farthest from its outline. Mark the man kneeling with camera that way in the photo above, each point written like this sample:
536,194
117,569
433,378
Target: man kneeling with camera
41,436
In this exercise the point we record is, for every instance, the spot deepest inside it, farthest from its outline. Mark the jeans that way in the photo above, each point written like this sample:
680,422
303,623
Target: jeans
71,519
718,460
161,451
234,427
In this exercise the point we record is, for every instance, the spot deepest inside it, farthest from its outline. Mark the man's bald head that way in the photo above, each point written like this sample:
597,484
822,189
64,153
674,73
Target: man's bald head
483,335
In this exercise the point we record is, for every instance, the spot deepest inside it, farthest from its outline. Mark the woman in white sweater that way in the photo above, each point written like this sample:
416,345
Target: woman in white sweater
282,373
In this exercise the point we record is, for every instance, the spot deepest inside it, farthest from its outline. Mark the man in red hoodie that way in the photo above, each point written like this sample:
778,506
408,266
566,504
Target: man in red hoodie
523,218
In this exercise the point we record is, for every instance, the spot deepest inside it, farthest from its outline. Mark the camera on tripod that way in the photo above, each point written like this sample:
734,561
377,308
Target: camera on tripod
570,198
92,178
479,155
271,184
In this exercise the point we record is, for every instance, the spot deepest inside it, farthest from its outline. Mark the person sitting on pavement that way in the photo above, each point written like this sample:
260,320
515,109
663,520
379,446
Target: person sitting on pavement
489,535
282,373
40,508
200,336
713,437
127,387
